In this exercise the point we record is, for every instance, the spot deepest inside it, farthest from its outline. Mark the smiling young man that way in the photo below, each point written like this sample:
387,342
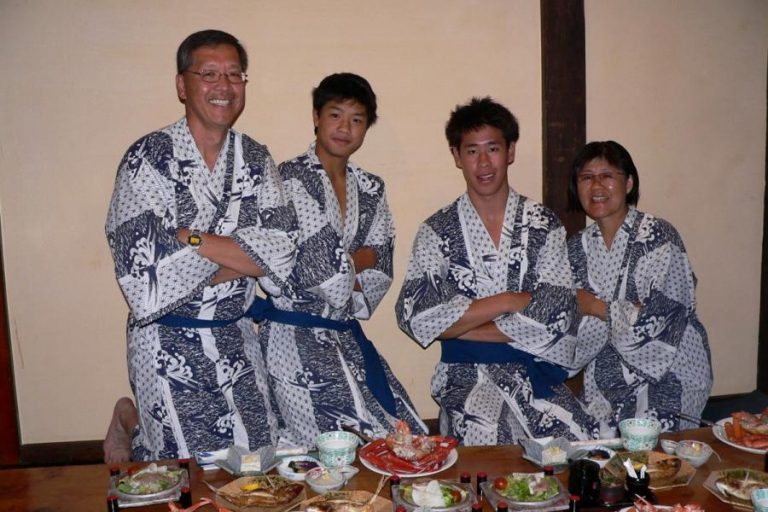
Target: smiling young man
489,278
197,214
323,371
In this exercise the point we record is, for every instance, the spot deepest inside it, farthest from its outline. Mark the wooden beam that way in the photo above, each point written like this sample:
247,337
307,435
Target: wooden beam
564,115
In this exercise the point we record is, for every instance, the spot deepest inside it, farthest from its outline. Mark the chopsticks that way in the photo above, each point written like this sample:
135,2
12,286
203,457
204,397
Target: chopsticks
700,421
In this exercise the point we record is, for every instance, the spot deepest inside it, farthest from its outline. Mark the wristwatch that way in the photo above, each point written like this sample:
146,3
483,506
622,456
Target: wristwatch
195,240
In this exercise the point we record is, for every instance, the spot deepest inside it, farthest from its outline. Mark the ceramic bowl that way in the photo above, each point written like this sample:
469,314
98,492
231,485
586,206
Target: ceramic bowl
695,452
639,434
669,446
336,448
760,500
323,480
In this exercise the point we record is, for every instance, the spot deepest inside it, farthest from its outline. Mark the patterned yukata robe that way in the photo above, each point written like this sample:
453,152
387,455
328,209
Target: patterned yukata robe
196,389
317,375
454,262
651,361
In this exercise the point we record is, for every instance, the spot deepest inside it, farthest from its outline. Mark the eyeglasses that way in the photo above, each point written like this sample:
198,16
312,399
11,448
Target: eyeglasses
211,76
604,178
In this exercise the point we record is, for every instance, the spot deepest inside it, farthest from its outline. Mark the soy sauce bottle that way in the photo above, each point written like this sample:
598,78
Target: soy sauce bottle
482,477
185,500
573,504
502,506
465,478
112,504
477,507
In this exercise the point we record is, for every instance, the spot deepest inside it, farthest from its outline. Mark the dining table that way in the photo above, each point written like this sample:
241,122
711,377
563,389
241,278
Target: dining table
85,487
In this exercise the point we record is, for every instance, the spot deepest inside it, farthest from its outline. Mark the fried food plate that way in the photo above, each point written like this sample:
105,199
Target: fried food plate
665,470
346,501
266,493
379,457
734,486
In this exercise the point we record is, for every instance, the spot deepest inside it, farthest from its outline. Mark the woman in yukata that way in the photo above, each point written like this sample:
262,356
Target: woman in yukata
648,353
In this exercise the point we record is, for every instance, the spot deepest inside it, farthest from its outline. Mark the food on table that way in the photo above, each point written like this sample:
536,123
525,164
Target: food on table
642,505
263,491
434,494
739,484
664,468
407,446
500,483
553,456
747,429
149,480
340,501
390,454
241,460
302,466
529,487
598,454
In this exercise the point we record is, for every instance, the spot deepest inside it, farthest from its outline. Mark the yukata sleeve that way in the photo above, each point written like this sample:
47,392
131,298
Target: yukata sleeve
647,337
592,332
375,282
545,327
435,292
267,226
155,271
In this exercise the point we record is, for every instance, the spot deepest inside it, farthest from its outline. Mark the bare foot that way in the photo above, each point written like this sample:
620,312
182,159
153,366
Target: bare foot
117,443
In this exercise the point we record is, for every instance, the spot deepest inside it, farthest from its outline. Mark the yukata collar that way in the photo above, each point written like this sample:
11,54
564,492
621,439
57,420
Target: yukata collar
626,225
316,165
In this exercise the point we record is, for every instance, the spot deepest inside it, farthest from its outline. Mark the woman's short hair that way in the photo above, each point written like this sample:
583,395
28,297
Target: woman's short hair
613,153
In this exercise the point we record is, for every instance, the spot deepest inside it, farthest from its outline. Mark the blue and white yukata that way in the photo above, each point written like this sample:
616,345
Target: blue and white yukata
454,262
651,358
319,375
196,389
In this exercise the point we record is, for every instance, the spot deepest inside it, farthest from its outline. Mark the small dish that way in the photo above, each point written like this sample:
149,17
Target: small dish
323,480
596,453
296,468
669,446
695,452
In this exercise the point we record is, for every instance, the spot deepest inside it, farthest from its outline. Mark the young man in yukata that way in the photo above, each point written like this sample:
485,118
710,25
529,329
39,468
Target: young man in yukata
323,371
197,215
489,278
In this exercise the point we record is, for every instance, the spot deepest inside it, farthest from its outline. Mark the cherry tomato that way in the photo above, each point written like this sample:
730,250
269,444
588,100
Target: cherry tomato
500,483
456,496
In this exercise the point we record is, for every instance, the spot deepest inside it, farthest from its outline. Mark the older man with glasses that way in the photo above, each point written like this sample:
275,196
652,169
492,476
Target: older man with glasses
196,217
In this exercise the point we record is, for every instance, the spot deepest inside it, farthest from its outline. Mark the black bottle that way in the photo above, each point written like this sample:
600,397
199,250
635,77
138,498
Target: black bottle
482,476
502,506
112,504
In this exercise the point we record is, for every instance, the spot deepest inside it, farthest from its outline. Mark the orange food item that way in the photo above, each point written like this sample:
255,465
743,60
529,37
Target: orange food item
738,432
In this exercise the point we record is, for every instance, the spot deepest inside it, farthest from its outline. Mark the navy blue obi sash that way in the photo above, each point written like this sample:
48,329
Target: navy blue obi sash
262,309
543,375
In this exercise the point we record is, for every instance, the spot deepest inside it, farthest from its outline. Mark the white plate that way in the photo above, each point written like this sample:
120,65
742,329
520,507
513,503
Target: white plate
719,430
450,460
